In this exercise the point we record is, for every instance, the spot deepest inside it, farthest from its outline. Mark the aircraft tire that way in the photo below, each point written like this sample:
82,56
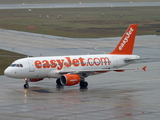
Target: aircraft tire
26,86
83,84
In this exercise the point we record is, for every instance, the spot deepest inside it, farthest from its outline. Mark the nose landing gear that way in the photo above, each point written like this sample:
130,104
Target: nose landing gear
26,85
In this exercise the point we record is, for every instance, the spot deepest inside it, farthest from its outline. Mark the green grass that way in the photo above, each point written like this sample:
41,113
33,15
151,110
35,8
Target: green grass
6,58
91,22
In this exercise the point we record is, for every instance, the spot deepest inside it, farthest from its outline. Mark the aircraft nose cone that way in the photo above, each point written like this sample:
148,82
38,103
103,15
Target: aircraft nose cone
8,72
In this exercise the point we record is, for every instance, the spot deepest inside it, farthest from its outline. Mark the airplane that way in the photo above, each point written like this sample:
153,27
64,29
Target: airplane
72,70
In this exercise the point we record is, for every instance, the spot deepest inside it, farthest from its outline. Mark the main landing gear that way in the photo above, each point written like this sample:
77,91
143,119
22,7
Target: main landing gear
83,85
26,86
59,84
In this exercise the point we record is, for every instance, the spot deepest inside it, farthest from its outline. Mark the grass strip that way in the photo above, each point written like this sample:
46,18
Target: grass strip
82,22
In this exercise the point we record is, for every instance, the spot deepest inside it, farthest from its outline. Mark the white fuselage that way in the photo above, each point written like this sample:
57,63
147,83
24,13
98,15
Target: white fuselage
52,67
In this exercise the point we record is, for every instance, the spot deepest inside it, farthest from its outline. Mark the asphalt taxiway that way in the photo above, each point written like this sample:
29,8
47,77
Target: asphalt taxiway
78,5
129,95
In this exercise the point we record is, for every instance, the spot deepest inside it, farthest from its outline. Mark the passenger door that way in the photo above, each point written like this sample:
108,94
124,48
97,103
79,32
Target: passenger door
31,66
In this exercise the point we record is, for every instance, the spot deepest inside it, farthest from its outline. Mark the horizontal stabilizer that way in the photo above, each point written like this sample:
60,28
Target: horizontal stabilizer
144,68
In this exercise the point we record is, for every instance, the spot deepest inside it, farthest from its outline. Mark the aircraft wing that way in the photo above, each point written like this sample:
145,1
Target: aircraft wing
100,70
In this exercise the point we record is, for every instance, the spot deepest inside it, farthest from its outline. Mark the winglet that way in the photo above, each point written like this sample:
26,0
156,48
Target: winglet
126,44
144,68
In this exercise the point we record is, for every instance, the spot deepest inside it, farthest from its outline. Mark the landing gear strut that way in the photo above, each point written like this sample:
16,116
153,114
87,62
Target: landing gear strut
59,84
26,86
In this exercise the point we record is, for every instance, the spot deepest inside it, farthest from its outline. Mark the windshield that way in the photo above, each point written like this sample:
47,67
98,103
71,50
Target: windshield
16,65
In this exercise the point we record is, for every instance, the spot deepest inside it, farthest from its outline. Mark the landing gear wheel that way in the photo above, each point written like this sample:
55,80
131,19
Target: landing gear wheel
26,86
58,82
83,84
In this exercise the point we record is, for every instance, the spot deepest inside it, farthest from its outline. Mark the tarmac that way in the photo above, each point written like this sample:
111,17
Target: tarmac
78,5
129,95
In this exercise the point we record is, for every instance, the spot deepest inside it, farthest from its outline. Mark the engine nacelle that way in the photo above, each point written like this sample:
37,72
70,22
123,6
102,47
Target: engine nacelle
70,79
35,79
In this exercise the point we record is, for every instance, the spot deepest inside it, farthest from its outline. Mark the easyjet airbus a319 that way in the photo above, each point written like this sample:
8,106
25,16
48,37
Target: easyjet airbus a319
72,70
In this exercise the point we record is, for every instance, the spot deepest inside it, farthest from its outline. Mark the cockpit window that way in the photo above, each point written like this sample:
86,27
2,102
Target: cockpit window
13,65
21,65
16,65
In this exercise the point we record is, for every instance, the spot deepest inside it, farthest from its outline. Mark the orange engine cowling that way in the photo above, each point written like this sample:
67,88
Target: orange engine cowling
35,79
70,79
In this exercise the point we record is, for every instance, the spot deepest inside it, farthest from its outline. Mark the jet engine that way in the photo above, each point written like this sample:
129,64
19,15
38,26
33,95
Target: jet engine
35,79
70,79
